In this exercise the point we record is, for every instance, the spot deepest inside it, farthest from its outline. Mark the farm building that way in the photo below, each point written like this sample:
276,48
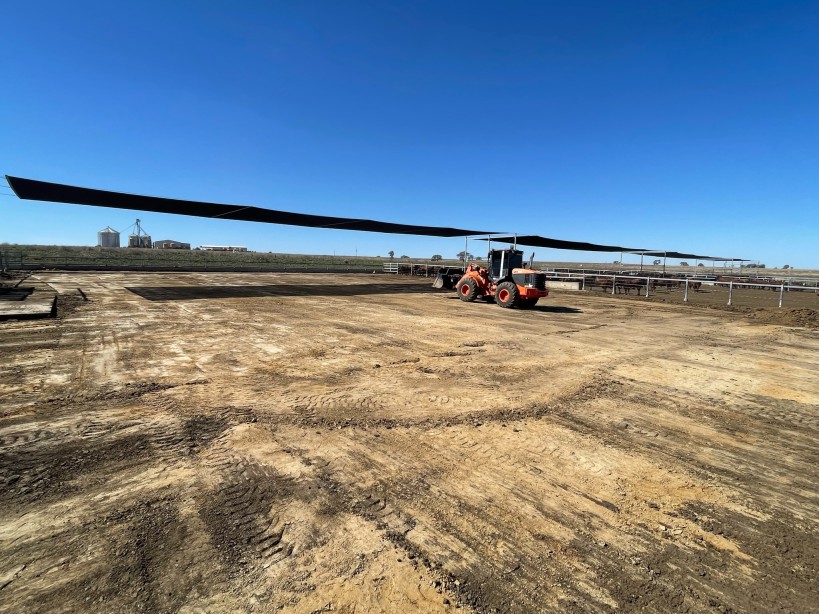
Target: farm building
171,244
222,248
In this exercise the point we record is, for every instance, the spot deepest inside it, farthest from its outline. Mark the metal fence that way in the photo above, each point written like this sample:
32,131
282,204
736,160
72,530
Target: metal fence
421,269
724,290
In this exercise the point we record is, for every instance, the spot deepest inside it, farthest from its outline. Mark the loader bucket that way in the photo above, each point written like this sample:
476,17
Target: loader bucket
442,281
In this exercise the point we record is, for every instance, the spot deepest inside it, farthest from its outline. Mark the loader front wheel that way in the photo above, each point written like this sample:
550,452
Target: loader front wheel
507,294
468,290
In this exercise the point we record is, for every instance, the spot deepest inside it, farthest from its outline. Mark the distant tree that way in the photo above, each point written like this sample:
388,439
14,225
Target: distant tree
460,256
616,262
787,266
436,257
684,264
404,256
700,264
760,266
391,254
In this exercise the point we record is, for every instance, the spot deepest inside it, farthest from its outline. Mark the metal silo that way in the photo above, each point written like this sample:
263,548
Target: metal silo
139,238
108,237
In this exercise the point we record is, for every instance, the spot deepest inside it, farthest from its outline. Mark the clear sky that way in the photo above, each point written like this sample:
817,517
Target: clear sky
688,126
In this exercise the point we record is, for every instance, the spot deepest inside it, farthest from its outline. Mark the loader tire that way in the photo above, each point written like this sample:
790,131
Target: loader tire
527,303
468,290
507,294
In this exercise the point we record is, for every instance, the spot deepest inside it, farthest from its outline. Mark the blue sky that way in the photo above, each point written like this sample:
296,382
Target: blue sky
689,126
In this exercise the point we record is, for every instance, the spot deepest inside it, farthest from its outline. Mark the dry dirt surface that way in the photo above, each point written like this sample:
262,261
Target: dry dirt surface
308,443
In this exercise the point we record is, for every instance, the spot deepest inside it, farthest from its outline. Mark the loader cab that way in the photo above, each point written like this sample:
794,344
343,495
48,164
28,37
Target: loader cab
502,261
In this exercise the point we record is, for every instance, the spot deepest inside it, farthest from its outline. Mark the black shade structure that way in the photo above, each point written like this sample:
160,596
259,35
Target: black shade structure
32,189
537,241
687,256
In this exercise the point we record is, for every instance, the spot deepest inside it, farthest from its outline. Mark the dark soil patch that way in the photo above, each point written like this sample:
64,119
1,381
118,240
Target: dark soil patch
809,318
240,517
45,472
785,552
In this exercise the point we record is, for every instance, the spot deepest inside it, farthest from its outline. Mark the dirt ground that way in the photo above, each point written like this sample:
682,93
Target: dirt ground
309,443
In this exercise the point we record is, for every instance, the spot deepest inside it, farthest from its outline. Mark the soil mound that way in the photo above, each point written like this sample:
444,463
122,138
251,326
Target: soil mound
808,318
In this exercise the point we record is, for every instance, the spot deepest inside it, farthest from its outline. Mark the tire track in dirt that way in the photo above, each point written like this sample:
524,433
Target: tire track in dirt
240,511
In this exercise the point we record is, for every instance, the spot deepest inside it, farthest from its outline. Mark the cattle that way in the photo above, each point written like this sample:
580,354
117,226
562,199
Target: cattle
622,285
599,282
625,284
666,283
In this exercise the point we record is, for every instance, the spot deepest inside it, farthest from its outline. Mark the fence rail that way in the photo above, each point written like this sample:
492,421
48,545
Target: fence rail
648,285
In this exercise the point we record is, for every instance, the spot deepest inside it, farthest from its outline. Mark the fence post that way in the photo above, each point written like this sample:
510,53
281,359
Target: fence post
730,291
613,283
685,296
583,287
648,281
781,293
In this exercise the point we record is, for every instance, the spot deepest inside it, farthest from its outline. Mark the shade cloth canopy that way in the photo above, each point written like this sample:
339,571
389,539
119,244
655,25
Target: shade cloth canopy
537,241
688,256
32,189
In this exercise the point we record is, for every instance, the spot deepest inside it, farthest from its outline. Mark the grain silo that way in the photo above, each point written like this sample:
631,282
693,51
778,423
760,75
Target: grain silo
108,237
143,241
139,238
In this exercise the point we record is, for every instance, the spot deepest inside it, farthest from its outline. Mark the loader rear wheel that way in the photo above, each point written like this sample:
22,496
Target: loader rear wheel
468,290
527,303
507,294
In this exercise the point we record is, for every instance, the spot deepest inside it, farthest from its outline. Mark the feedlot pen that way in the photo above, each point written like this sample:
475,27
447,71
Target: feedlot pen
301,443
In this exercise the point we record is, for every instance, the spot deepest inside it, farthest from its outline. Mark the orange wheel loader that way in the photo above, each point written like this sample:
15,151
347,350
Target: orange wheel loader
503,280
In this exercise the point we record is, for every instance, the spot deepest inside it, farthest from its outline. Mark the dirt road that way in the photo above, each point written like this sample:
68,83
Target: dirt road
306,443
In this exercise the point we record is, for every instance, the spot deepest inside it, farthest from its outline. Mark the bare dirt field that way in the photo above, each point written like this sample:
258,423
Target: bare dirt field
309,443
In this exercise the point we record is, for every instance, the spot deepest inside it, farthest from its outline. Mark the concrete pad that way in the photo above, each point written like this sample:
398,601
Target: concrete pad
563,285
31,300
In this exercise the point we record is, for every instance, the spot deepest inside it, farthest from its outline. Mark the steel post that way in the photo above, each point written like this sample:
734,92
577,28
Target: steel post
613,283
781,293
730,291
685,296
648,281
